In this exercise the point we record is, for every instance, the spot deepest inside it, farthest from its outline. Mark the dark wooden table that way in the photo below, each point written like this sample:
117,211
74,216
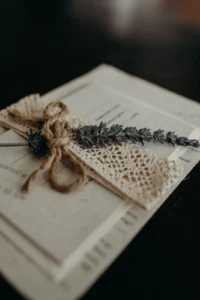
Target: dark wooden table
45,44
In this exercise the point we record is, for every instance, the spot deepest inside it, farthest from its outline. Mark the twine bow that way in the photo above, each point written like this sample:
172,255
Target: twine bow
55,131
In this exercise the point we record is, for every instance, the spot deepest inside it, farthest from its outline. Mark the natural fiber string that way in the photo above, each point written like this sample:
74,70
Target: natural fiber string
58,138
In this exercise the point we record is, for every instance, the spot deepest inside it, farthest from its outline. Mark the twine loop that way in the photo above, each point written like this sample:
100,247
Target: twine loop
56,132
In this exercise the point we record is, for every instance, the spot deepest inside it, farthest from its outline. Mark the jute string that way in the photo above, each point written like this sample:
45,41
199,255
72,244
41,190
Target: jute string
58,138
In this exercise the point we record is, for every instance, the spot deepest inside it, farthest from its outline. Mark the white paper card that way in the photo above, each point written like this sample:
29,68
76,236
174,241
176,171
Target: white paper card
65,222
74,238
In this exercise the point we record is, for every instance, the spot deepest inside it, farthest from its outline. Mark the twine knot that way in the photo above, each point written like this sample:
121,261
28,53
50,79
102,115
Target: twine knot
56,132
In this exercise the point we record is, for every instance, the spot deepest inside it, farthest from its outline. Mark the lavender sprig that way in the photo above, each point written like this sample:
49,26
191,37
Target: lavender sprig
101,136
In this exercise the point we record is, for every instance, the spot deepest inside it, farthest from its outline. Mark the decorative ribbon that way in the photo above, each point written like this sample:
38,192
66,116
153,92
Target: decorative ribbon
55,130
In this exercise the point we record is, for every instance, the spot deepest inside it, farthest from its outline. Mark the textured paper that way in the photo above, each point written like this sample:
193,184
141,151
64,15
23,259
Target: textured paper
167,101
83,269
57,213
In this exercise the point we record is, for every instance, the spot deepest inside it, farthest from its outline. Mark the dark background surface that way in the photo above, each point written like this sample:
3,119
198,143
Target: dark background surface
45,44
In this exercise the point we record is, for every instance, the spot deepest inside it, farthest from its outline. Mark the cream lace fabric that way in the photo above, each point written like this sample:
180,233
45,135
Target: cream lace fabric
128,170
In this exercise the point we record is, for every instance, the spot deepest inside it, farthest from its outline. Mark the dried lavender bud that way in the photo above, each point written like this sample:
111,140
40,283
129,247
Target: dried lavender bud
145,134
116,134
37,143
182,141
194,143
171,138
158,136
133,135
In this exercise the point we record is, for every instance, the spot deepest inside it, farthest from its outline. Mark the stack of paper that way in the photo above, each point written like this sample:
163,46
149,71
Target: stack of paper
54,246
